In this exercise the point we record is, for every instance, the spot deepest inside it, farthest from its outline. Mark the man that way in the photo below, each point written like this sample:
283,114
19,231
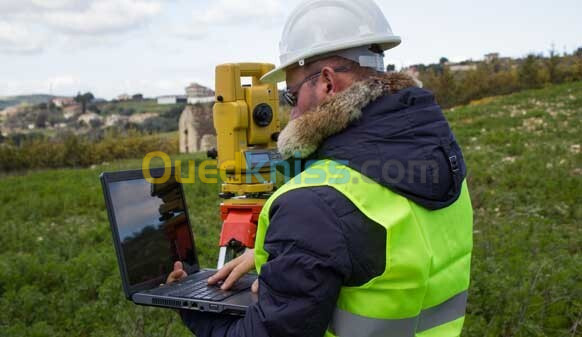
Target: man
379,243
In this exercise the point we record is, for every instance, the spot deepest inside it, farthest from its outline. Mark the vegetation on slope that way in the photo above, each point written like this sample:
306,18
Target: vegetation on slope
59,277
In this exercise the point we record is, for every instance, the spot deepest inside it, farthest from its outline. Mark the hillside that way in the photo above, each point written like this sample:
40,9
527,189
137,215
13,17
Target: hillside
59,277
6,102
525,168
146,115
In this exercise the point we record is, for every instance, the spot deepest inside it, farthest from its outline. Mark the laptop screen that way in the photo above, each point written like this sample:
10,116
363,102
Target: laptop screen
152,228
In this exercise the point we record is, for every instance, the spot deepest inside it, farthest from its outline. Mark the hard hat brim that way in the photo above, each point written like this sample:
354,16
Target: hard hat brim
278,74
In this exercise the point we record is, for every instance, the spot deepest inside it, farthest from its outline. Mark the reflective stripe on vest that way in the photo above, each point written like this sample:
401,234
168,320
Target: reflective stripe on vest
423,289
346,324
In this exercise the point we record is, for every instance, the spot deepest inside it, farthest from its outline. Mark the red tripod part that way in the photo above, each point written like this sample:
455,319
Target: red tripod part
239,223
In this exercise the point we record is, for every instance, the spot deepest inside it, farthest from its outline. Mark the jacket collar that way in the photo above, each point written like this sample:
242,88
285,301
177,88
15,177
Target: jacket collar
303,135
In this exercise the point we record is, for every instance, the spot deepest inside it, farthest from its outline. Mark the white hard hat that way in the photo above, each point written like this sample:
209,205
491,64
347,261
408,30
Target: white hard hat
332,27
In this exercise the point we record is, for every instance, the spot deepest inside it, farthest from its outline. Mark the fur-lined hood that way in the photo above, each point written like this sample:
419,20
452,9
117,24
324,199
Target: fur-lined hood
303,135
389,130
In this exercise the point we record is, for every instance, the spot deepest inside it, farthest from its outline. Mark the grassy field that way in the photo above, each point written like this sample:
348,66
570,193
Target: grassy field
59,277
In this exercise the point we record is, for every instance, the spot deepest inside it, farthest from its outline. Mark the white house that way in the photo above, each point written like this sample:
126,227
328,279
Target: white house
172,99
63,101
124,97
195,100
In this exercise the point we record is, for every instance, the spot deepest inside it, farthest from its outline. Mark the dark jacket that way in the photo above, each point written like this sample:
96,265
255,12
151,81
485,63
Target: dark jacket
318,241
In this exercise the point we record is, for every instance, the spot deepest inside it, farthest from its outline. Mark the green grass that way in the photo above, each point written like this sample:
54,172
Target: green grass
523,153
58,273
59,276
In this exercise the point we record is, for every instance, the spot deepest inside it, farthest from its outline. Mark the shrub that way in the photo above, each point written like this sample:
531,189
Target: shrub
498,77
72,150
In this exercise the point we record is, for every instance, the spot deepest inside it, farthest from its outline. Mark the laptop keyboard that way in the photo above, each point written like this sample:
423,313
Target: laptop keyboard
200,290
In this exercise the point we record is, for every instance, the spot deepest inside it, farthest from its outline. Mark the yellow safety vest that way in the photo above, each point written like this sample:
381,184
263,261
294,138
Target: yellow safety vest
423,290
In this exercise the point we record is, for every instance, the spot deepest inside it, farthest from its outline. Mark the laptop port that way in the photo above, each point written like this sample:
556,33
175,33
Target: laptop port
184,304
194,305
213,307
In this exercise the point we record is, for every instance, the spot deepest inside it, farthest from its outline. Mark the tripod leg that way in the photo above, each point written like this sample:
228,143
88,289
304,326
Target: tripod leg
229,253
221,257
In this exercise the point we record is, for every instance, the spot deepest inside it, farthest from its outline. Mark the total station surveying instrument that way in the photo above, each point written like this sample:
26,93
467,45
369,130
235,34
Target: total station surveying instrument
246,119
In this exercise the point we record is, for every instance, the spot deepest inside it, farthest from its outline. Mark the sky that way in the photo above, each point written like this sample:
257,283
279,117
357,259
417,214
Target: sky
134,206
158,47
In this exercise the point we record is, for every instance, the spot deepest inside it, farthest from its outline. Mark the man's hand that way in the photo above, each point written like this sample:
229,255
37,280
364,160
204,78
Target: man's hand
177,274
234,270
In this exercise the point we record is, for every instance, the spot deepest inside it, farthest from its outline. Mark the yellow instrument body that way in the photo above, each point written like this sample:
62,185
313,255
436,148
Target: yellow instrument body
246,119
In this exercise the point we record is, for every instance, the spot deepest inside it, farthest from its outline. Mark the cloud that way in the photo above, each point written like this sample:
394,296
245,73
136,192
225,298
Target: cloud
9,7
66,84
228,14
103,17
18,39
27,26
190,32
235,12
58,4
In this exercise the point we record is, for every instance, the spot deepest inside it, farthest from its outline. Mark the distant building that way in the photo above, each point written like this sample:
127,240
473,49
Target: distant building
172,99
197,93
197,90
462,67
491,57
188,132
196,130
195,100
124,97
62,102
207,143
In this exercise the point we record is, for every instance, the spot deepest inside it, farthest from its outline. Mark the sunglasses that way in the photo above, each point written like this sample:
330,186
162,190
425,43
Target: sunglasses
290,95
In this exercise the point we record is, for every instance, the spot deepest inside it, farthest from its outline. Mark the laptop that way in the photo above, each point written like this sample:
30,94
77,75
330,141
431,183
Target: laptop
151,230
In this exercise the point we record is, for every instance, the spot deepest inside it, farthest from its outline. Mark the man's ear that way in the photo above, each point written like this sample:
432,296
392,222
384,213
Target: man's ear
329,79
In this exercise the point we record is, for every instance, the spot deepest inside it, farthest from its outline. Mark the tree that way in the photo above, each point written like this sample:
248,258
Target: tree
447,88
56,118
390,68
173,113
95,123
443,60
94,107
41,120
83,100
529,75
578,69
137,97
552,65
126,111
